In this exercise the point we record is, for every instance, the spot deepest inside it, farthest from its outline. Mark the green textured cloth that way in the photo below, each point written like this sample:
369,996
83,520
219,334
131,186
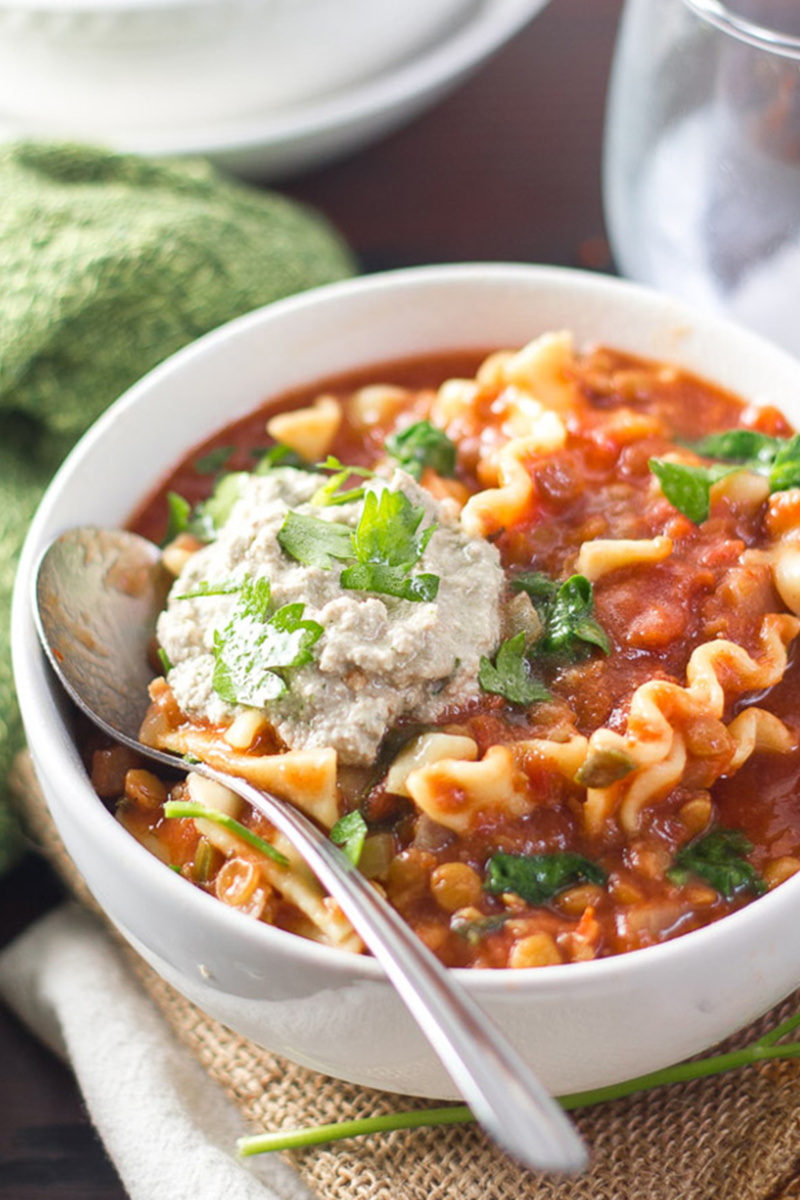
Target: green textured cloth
108,264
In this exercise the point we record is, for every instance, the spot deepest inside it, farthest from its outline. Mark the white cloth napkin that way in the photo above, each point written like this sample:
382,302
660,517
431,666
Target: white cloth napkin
168,1128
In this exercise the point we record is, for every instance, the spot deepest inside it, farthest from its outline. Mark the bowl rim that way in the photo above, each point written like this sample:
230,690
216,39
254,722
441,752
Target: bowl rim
53,741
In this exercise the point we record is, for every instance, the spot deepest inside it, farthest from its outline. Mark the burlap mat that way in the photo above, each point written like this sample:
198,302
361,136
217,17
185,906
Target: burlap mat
730,1137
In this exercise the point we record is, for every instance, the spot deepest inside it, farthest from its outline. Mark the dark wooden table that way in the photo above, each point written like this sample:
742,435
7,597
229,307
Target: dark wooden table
508,168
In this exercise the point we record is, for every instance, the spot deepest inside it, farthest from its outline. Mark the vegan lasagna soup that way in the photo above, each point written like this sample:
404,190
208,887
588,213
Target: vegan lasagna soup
518,631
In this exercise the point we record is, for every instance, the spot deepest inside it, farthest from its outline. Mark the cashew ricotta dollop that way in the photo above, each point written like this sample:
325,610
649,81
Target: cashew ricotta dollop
378,657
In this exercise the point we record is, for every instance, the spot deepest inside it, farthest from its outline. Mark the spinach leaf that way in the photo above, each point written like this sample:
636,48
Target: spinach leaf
566,612
569,620
785,470
539,877
739,445
510,675
719,860
688,488
253,649
349,832
423,445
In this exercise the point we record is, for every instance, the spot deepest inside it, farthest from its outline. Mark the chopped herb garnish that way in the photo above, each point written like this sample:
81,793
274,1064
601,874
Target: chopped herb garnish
253,649
279,456
423,445
314,542
178,512
192,759
213,462
390,581
180,810
329,492
566,613
719,860
163,658
349,832
385,545
510,675
389,532
688,488
204,588
539,877
540,587
210,515
474,931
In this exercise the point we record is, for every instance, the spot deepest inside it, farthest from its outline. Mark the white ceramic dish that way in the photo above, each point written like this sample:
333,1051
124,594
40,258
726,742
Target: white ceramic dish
269,146
581,1025
94,68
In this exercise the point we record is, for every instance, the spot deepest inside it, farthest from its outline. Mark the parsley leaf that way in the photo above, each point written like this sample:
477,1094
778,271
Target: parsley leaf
688,488
178,511
210,515
539,877
388,530
214,461
349,832
252,649
386,544
423,445
204,588
540,587
719,859
566,612
279,456
313,542
510,675
329,492
390,581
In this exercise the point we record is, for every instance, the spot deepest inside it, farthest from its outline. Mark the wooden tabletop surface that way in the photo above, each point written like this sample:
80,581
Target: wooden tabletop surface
507,168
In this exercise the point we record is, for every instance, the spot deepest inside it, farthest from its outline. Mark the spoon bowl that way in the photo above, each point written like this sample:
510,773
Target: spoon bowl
97,596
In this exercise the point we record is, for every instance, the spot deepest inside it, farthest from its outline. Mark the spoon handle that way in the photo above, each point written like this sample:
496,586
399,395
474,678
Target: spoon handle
505,1097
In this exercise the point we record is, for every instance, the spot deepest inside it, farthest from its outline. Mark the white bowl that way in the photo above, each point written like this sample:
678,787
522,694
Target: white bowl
88,68
581,1025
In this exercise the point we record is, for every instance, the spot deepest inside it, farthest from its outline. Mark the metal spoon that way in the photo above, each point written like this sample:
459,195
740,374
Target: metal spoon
98,593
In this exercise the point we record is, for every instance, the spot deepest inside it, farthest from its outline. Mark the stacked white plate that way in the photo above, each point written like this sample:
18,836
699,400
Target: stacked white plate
263,87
